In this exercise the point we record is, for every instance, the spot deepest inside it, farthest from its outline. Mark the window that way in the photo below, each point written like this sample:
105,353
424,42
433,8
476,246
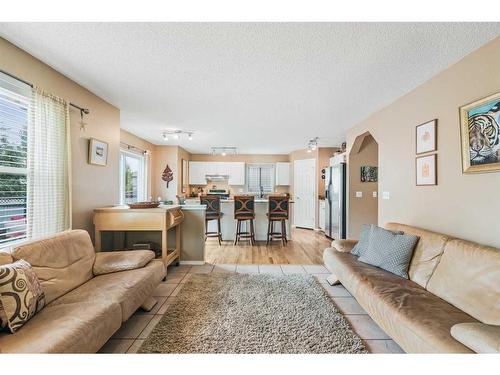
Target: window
260,178
34,171
14,103
133,182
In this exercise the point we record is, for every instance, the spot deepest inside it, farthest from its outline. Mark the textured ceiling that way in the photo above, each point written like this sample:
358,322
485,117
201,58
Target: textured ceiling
263,87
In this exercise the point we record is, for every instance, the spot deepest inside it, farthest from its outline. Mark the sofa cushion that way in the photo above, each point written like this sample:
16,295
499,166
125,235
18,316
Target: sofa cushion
127,288
116,261
417,320
480,337
61,262
468,277
389,251
72,328
426,254
21,295
364,239
5,258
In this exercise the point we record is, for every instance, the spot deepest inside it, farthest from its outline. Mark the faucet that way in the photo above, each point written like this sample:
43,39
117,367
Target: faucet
261,192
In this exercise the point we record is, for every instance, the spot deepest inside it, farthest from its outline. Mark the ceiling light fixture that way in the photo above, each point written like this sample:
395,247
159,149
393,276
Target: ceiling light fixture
177,134
312,145
224,151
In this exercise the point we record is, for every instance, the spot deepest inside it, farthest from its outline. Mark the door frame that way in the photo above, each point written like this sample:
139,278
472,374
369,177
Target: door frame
315,192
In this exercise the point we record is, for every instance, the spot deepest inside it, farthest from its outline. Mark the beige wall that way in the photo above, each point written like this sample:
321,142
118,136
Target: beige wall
165,155
129,139
362,210
324,155
92,186
463,205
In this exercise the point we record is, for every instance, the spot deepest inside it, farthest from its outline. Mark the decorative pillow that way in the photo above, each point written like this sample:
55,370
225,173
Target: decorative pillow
364,239
21,295
390,251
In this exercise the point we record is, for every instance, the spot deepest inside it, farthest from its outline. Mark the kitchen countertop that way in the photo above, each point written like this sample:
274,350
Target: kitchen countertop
160,208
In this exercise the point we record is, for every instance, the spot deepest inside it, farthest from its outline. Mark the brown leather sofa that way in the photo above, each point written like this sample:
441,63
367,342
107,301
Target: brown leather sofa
88,295
450,304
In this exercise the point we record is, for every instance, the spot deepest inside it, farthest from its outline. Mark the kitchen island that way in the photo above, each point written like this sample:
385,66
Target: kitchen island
228,224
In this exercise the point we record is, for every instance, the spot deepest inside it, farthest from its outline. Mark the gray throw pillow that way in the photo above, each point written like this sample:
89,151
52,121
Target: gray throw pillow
390,251
364,239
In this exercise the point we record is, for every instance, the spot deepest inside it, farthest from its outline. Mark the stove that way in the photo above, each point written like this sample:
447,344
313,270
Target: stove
222,193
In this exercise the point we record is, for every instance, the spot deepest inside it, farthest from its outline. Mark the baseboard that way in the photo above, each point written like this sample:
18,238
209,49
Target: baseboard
191,262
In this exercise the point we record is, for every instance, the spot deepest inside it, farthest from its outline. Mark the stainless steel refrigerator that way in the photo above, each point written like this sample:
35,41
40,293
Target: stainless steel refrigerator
335,201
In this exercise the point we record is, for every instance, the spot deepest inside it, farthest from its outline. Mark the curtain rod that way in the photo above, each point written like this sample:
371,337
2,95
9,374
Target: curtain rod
82,110
130,147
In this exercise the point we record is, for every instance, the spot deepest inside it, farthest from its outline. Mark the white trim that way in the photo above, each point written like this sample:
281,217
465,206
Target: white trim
192,262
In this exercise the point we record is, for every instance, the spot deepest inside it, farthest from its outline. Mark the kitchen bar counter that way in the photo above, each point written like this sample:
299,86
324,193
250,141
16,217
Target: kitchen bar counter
228,224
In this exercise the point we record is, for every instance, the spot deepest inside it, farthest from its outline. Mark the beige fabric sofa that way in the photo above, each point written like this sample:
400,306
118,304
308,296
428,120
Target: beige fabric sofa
88,295
452,281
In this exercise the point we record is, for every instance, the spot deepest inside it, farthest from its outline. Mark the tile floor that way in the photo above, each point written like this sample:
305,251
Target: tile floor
132,334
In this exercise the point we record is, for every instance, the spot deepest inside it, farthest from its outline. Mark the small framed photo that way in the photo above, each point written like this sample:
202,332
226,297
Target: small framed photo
426,170
98,152
426,137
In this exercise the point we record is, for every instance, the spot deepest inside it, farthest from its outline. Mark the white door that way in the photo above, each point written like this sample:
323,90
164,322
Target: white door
304,186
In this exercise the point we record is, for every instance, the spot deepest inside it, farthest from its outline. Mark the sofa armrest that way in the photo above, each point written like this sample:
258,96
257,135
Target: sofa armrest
480,337
115,261
344,246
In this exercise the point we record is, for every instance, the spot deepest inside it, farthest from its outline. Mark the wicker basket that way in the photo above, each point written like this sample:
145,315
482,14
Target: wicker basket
144,205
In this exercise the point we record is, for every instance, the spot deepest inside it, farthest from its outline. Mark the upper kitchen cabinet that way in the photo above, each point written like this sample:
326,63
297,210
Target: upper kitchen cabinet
282,174
197,173
236,173
199,170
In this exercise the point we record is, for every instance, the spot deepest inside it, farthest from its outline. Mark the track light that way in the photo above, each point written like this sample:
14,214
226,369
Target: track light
176,134
312,145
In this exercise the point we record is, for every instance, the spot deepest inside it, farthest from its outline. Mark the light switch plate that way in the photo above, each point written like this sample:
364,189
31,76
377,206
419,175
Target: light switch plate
386,195
374,194
359,194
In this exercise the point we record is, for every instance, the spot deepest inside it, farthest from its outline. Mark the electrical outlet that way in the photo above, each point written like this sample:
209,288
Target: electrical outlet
386,195
374,194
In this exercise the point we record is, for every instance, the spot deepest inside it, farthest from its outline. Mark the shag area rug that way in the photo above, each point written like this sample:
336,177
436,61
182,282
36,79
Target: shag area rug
239,313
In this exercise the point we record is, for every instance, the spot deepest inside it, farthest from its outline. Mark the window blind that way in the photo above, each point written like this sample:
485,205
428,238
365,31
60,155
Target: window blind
34,157
14,104
260,178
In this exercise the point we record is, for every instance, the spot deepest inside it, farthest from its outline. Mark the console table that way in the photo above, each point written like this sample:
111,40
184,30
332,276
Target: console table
124,218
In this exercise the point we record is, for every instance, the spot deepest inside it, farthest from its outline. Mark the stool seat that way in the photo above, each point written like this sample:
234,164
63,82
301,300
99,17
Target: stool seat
244,210
213,213
278,212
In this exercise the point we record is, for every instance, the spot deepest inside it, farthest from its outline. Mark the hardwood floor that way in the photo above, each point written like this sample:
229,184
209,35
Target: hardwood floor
306,247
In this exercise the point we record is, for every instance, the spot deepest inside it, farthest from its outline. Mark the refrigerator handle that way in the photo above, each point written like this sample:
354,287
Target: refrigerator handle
326,194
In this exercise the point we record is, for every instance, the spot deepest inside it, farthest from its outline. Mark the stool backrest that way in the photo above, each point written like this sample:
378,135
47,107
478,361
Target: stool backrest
212,202
244,206
279,206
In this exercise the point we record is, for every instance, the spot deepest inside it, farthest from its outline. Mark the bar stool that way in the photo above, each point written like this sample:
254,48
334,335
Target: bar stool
244,209
278,212
213,213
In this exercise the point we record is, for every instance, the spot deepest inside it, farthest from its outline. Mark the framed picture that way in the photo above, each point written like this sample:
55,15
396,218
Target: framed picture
426,137
369,174
426,170
480,134
98,152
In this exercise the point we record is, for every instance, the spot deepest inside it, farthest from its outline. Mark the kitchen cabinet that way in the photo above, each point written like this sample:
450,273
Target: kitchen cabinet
237,173
197,173
282,174
198,170
322,210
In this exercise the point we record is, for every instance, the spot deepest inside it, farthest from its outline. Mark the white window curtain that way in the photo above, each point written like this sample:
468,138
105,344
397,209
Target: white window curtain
48,177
